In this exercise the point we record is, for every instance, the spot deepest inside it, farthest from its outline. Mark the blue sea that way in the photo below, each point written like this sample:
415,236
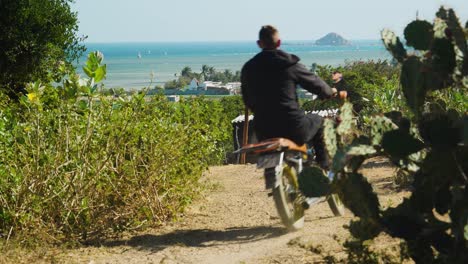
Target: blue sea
139,65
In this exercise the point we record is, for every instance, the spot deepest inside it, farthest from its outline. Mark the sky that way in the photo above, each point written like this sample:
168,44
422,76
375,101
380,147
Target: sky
240,20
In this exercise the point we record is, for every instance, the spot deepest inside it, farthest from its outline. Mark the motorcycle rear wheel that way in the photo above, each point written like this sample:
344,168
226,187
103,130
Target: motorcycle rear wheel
285,196
336,206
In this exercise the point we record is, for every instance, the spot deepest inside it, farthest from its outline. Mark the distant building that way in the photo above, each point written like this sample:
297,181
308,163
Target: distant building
173,98
234,87
193,85
209,84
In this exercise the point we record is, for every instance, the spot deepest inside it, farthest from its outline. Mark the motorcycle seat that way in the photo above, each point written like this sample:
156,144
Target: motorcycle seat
273,144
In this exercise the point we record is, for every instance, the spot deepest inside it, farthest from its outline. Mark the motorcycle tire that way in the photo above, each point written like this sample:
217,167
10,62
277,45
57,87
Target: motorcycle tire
290,211
336,206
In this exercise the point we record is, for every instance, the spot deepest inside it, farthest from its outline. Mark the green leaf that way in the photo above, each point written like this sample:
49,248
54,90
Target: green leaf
400,144
412,82
92,62
88,72
419,34
100,73
393,45
85,89
83,105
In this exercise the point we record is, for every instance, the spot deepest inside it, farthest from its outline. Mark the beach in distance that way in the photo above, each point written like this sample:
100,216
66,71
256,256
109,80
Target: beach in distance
140,65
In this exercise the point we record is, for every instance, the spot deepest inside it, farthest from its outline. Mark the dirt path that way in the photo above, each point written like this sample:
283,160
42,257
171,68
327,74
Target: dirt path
234,223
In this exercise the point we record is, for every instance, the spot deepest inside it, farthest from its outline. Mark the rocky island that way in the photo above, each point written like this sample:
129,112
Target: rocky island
332,39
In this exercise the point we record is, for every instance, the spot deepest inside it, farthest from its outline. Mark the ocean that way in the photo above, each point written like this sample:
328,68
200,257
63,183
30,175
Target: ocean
139,65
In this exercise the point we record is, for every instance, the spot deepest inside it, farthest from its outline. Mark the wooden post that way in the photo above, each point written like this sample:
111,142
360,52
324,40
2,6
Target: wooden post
245,138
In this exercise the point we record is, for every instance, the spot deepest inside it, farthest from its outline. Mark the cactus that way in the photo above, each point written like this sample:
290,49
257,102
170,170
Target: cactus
443,59
394,45
347,127
433,152
449,27
419,34
456,31
439,28
361,150
357,195
313,183
400,144
441,131
329,133
380,125
413,83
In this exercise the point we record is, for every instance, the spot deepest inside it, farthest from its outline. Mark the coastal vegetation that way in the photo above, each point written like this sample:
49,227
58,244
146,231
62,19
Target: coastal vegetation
207,73
79,165
372,86
38,42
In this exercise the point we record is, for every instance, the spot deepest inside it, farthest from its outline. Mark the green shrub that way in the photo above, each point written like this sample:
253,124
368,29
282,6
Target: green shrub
373,86
79,165
38,42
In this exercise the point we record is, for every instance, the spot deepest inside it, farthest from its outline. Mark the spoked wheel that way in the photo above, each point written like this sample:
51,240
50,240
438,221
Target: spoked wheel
336,205
285,196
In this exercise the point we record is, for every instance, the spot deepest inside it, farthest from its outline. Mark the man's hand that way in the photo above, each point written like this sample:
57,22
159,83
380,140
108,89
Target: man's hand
334,91
343,95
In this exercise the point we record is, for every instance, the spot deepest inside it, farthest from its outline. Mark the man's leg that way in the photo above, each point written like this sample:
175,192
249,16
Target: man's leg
315,135
321,154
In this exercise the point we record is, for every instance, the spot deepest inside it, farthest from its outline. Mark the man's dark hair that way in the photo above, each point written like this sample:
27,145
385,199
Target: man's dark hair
267,36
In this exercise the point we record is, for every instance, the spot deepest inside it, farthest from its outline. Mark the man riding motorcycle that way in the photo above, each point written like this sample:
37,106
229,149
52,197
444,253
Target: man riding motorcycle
269,81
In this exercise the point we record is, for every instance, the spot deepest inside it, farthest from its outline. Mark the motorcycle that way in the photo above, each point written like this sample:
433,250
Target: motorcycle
282,161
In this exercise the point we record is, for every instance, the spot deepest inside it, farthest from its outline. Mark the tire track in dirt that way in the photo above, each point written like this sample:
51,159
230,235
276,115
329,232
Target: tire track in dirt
234,223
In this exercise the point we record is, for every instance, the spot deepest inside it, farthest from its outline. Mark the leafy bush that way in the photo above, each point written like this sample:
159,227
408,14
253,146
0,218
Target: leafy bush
430,146
77,164
38,40
373,86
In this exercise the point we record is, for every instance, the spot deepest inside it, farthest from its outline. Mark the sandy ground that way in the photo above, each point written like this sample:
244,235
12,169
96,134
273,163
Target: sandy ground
236,222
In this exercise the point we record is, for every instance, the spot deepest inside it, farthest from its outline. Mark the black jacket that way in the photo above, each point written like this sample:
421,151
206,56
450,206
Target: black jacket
269,82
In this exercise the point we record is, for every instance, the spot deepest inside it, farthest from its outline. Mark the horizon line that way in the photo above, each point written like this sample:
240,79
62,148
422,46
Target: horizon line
213,41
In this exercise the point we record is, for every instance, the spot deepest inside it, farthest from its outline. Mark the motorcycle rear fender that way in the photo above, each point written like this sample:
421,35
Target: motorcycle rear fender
273,165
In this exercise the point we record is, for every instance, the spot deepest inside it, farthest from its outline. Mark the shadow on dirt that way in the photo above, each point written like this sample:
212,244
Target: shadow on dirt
200,238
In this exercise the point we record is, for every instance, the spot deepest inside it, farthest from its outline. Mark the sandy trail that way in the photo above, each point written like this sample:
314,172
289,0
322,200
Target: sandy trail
234,223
